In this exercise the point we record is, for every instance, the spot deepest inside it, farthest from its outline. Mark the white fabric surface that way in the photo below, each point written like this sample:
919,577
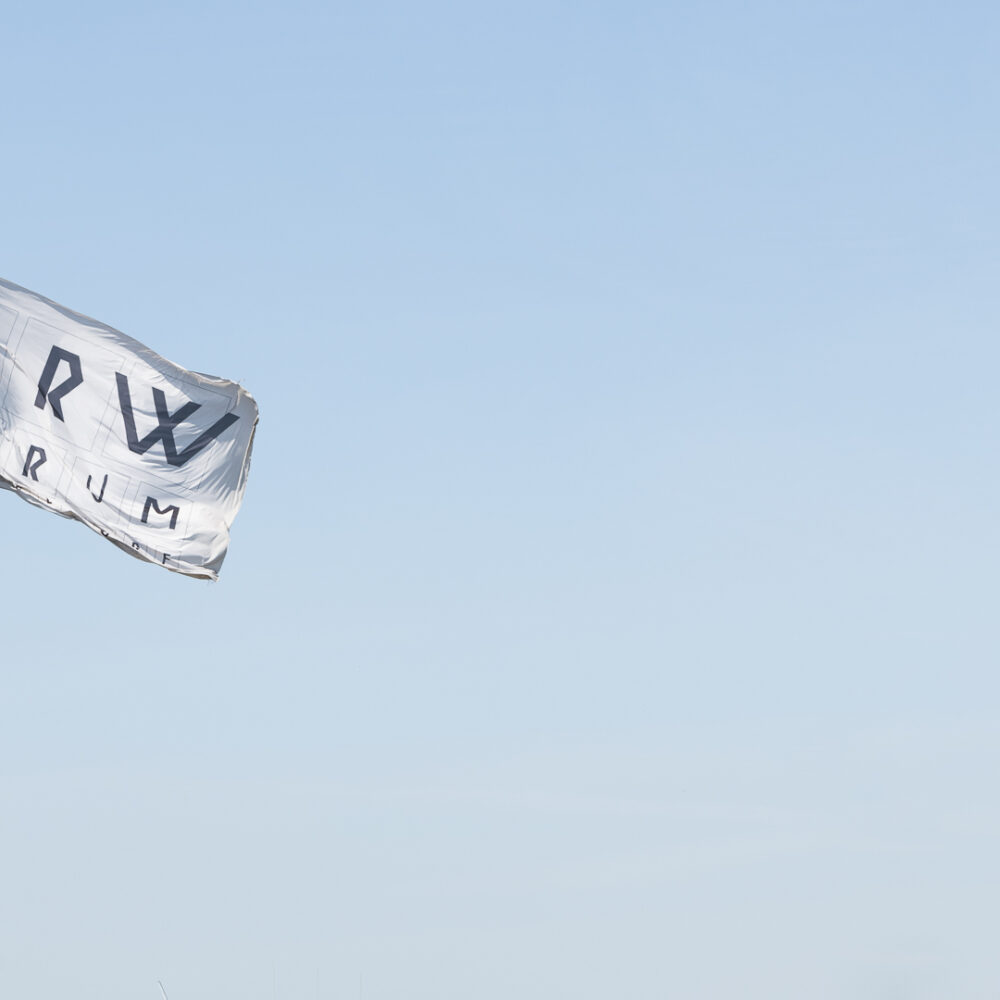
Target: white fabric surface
96,426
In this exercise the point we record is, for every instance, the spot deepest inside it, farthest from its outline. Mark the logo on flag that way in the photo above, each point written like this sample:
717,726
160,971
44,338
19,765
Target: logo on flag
97,427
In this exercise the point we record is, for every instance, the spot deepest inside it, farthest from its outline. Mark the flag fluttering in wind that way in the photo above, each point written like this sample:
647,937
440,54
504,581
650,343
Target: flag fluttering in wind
97,427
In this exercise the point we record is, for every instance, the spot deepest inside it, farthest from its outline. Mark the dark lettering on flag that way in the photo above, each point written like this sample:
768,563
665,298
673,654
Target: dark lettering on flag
55,396
32,470
172,509
166,423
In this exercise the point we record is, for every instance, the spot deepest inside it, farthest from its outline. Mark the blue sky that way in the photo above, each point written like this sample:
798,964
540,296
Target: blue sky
612,607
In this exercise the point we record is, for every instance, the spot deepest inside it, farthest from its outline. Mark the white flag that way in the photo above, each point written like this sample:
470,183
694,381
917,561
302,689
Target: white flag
95,426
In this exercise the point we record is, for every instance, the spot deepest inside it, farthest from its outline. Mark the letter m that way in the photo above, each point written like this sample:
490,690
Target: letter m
170,509
165,425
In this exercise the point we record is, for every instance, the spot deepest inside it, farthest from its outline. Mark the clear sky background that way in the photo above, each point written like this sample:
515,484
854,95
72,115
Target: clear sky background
613,608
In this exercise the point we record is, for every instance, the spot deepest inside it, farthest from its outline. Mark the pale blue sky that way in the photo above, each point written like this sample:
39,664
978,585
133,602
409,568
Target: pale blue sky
612,612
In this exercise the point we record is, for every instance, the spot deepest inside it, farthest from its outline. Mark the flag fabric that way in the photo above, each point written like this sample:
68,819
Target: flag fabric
97,427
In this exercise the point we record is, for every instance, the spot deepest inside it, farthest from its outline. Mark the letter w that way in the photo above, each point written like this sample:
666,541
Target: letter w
166,422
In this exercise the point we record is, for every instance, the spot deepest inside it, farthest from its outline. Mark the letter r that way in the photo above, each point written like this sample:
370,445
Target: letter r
55,396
